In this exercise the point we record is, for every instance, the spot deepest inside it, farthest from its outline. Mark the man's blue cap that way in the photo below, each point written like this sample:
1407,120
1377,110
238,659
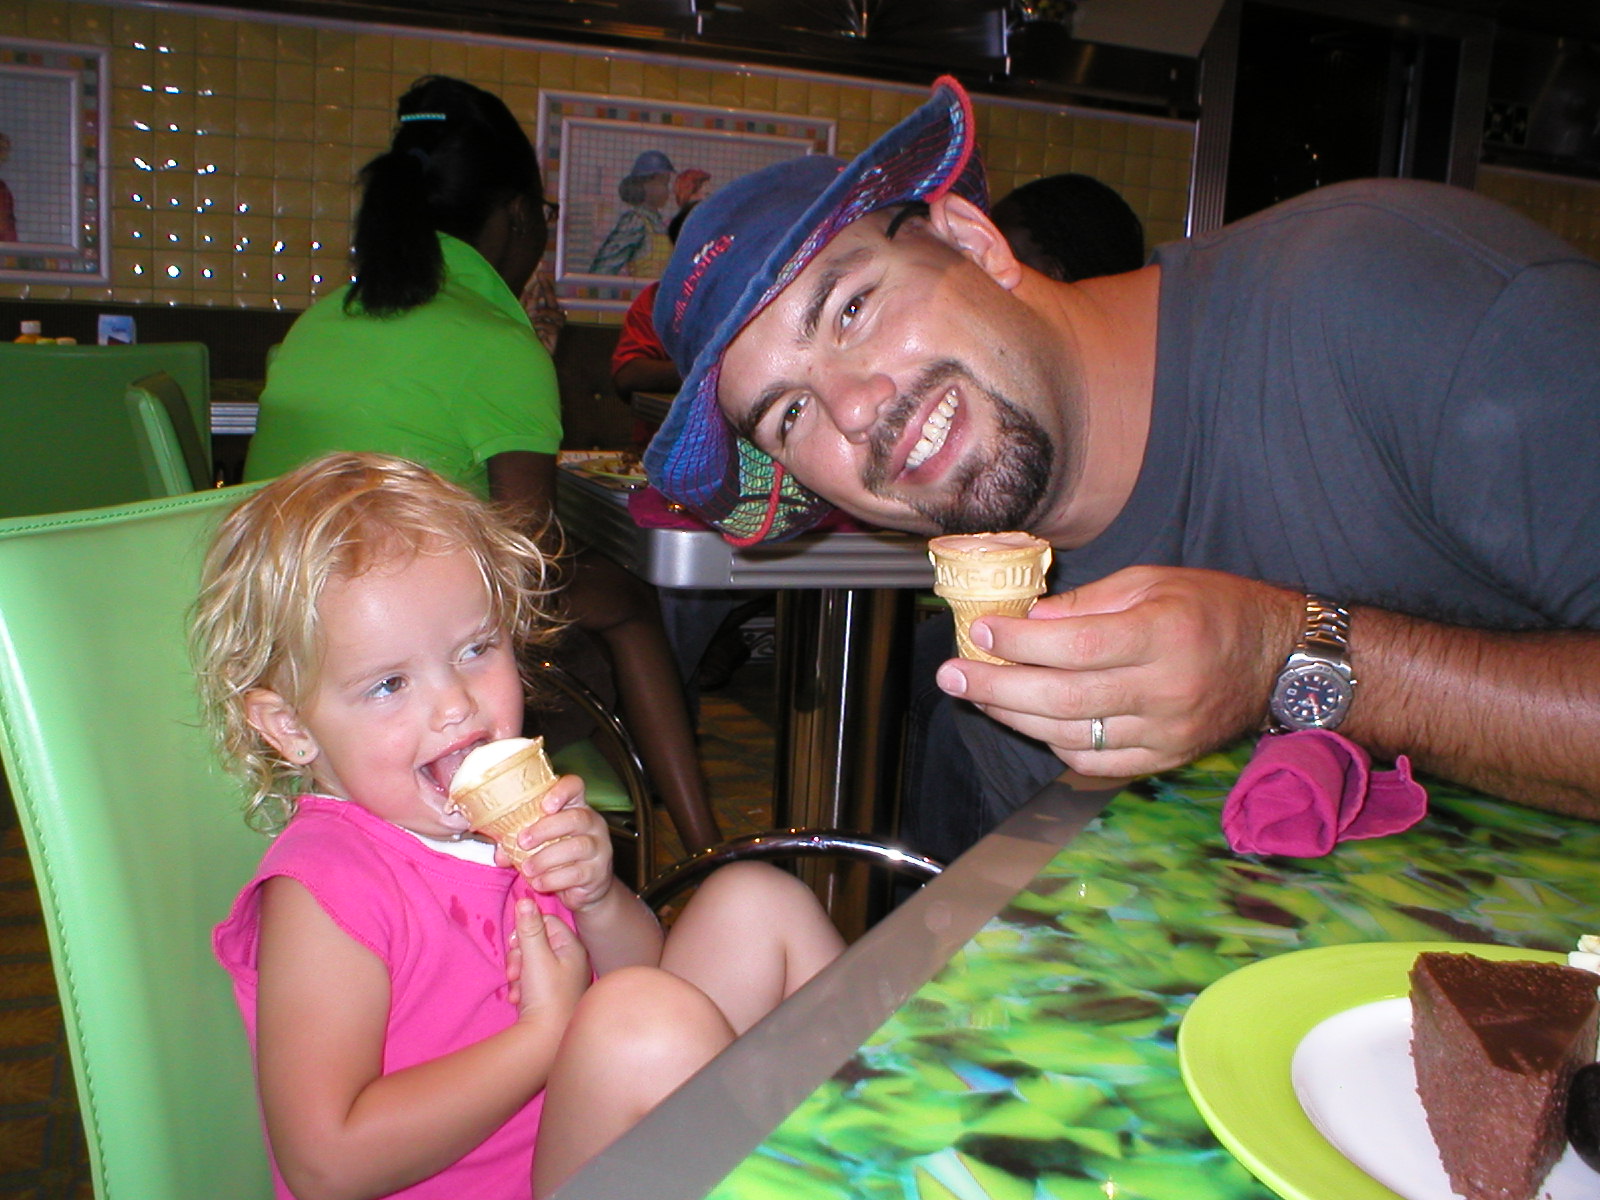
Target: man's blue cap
741,247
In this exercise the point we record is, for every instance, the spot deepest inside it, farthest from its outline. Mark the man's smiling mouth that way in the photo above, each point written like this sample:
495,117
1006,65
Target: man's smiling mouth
934,431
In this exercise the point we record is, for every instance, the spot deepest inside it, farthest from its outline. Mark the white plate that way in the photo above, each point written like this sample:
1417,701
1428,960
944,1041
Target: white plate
1353,1076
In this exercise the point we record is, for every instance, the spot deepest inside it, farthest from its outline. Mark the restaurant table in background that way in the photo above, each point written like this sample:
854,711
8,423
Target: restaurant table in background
1041,1057
651,407
235,404
844,614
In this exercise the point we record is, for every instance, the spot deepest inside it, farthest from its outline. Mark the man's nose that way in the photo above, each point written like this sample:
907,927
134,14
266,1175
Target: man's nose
856,399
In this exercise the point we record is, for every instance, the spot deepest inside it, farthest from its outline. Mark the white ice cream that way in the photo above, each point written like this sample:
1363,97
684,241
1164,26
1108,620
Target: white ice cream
475,766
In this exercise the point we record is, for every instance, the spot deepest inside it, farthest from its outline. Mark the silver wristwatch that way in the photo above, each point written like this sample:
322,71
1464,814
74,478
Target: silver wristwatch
1316,685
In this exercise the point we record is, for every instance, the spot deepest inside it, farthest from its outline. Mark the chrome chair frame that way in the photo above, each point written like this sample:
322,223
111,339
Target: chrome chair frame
639,831
785,845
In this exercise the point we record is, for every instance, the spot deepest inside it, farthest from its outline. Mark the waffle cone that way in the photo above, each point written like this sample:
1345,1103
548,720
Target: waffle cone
967,611
988,574
506,800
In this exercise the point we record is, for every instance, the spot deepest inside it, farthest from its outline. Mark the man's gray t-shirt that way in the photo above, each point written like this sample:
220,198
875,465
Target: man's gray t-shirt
1386,391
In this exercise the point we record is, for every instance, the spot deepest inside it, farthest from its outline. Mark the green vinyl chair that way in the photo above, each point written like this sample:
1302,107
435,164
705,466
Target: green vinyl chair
136,840
612,773
65,439
170,447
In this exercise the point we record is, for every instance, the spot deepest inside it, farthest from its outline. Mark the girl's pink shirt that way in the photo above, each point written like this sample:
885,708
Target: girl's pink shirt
441,926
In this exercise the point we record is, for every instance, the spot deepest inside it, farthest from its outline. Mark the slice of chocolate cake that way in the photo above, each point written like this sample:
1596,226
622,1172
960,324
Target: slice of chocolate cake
1496,1044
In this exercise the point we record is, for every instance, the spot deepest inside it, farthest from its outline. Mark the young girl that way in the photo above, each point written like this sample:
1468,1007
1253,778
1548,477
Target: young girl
422,1015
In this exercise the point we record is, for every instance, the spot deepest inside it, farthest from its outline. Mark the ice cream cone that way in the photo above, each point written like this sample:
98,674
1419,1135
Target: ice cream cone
500,794
988,574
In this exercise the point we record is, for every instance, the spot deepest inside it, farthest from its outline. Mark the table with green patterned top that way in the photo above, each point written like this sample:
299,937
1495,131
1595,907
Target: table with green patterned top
1041,1063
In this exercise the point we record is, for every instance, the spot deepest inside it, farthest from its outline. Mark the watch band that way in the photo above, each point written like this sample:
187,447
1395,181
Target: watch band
1316,685
1327,626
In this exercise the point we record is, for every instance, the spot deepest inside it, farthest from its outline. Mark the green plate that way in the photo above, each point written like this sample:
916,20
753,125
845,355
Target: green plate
1239,1037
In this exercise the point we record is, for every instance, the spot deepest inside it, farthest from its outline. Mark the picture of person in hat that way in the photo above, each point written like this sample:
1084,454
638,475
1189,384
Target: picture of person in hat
637,244
1315,469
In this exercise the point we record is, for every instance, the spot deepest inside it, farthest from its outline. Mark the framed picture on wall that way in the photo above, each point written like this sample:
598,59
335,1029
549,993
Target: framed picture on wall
622,168
53,165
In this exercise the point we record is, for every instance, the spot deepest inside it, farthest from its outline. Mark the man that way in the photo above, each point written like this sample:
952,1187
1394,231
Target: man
1332,465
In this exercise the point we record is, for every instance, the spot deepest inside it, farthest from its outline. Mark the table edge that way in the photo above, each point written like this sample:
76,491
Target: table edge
700,1133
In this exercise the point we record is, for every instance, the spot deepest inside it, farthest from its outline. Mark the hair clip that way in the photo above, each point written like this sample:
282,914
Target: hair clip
422,116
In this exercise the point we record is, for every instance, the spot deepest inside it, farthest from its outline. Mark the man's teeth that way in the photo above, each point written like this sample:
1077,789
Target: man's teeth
933,433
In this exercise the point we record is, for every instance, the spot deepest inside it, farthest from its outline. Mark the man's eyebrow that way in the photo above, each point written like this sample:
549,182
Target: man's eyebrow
823,289
747,424
810,318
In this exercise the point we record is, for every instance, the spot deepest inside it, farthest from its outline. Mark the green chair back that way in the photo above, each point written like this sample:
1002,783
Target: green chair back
65,440
170,447
136,840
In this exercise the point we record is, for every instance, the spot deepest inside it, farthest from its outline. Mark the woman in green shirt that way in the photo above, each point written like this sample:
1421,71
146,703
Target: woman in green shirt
429,355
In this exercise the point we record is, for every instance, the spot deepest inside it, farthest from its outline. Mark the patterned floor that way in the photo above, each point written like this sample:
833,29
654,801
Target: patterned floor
42,1153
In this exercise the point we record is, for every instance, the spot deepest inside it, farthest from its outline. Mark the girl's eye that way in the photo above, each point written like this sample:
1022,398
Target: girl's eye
477,650
386,687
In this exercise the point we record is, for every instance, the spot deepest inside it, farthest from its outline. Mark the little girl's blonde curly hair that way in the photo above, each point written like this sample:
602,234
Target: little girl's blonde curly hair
256,625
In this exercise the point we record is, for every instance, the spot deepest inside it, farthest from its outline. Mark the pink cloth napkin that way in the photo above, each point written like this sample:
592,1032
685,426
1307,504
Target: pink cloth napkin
1304,792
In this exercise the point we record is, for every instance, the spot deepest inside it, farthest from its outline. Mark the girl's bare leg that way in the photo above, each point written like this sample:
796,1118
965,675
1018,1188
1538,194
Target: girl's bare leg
750,937
637,1034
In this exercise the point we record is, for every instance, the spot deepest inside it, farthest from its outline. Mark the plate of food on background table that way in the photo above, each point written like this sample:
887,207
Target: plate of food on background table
623,469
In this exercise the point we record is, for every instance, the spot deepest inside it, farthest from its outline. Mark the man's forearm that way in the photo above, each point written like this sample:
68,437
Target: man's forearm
1516,715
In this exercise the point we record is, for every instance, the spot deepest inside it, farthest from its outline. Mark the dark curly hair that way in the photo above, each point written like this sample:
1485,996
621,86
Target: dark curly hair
1078,226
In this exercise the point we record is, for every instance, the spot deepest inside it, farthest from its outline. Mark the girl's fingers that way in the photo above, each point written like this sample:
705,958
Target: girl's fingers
558,934
529,932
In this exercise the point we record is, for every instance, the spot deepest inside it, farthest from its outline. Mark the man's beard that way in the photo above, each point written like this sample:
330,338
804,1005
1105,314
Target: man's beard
995,491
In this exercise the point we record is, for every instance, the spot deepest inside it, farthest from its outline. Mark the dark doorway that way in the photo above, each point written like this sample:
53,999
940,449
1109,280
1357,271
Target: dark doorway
1322,97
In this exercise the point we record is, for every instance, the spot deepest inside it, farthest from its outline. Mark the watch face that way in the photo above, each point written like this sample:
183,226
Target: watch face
1311,697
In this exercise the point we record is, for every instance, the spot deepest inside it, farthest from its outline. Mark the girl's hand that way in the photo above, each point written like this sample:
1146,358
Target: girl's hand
571,848
546,966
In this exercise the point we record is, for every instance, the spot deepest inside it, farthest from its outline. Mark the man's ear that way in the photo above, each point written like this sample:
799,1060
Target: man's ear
961,224
275,719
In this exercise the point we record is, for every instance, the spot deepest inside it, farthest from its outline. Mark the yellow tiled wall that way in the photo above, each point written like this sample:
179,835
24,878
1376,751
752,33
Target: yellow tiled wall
234,143
1569,207
250,132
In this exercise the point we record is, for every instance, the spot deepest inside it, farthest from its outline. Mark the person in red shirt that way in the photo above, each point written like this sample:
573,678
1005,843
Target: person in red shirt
640,362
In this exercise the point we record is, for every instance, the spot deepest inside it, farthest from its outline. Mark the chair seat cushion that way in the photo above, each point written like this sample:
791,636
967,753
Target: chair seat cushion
603,786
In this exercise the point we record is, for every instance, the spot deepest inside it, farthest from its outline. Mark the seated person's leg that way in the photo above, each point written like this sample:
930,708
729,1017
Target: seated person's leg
750,937
607,601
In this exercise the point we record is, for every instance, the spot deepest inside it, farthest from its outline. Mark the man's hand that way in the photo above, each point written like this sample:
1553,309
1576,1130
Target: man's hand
1173,661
